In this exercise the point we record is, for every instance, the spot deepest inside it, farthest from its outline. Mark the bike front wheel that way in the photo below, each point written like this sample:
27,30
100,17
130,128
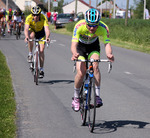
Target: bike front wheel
83,109
36,70
91,105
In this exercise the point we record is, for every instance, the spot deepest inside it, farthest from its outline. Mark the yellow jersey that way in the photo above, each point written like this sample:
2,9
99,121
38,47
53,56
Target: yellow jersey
82,34
36,26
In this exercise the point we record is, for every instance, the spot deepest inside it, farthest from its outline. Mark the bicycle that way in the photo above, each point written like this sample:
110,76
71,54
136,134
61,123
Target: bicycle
17,31
87,95
34,65
11,27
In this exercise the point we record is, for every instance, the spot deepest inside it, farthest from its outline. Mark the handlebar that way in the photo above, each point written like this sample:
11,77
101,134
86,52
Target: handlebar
37,40
94,60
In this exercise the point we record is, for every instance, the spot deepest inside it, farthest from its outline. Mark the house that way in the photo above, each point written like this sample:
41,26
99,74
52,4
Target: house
107,6
23,4
82,6
11,4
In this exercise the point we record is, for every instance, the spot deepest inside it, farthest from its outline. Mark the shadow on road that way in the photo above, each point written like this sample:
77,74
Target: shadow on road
112,126
57,81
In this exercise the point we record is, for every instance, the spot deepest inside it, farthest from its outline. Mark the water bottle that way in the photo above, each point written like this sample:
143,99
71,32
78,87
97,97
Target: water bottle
86,86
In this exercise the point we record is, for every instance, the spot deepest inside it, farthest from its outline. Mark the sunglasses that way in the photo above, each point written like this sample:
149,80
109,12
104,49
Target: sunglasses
92,25
35,14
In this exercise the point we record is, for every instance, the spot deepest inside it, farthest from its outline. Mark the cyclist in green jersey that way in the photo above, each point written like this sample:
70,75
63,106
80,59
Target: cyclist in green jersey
85,44
9,17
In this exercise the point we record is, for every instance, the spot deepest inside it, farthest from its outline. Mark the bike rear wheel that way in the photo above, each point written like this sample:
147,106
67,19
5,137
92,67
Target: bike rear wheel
91,105
36,70
83,109
17,32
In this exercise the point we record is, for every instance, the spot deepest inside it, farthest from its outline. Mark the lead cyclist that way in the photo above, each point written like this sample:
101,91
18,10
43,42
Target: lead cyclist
85,41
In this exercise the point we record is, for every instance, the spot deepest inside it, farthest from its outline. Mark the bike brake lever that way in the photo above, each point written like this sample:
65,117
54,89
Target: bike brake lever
74,67
109,67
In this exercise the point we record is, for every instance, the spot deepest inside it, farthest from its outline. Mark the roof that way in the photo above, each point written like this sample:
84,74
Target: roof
82,1
11,4
38,2
106,5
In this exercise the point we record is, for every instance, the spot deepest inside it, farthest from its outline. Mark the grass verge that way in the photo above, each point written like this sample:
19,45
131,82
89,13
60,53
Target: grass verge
7,102
116,42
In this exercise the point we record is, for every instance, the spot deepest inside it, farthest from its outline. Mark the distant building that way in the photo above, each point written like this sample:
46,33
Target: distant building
82,6
23,4
11,4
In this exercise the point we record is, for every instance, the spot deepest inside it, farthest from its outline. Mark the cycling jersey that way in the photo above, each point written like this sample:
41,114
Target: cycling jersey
9,15
82,34
38,26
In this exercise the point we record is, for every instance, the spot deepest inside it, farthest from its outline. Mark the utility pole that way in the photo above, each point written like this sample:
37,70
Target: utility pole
96,3
75,15
89,3
49,4
126,20
144,9
114,9
7,5
101,9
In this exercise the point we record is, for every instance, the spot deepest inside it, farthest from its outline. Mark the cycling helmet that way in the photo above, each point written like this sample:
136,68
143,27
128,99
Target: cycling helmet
36,10
10,10
92,16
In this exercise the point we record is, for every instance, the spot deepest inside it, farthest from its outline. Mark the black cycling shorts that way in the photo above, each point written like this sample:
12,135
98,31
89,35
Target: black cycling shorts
40,34
86,49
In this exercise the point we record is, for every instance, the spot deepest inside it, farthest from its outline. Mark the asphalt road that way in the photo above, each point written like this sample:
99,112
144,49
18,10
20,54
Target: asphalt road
44,111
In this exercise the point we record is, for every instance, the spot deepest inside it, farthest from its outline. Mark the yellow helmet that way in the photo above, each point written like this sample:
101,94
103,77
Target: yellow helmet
36,10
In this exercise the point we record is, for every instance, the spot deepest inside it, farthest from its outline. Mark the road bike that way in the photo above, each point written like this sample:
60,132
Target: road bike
17,31
2,30
87,95
11,27
34,65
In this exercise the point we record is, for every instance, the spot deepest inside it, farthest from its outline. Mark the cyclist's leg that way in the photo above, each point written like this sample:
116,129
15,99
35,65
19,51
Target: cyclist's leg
19,20
30,46
95,54
81,71
41,55
14,26
97,74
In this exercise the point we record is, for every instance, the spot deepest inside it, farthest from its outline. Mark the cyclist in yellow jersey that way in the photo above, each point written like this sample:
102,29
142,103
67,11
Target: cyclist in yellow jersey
36,26
85,45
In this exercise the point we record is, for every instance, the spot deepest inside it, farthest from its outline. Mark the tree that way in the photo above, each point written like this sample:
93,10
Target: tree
59,9
140,8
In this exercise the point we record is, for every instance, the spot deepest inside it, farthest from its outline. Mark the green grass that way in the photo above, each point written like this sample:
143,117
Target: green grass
7,102
135,36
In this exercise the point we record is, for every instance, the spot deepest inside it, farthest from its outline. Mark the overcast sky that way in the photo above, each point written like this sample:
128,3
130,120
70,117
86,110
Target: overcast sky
120,3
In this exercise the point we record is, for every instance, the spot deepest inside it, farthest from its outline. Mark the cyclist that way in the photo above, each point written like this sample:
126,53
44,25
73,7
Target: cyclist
22,20
17,18
3,19
85,41
9,16
36,25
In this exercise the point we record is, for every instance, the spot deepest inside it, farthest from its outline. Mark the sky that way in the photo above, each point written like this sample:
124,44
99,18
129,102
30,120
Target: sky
120,3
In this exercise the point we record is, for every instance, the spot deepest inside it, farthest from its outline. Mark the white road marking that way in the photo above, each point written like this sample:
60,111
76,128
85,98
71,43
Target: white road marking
61,45
129,73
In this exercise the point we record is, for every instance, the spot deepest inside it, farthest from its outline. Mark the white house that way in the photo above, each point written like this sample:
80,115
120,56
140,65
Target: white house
26,3
82,6
107,6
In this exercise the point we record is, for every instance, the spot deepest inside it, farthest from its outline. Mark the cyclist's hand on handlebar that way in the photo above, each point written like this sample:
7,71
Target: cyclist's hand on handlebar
75,56
110,57
47,40
26,39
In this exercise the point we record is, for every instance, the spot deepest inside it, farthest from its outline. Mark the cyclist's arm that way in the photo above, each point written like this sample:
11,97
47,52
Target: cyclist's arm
47,32
108,51
75,54
26,33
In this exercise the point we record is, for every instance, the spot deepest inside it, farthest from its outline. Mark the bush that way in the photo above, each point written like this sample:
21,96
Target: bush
136,32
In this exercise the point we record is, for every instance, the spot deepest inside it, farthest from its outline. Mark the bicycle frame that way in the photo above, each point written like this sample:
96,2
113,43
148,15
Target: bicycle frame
87,104
35,63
